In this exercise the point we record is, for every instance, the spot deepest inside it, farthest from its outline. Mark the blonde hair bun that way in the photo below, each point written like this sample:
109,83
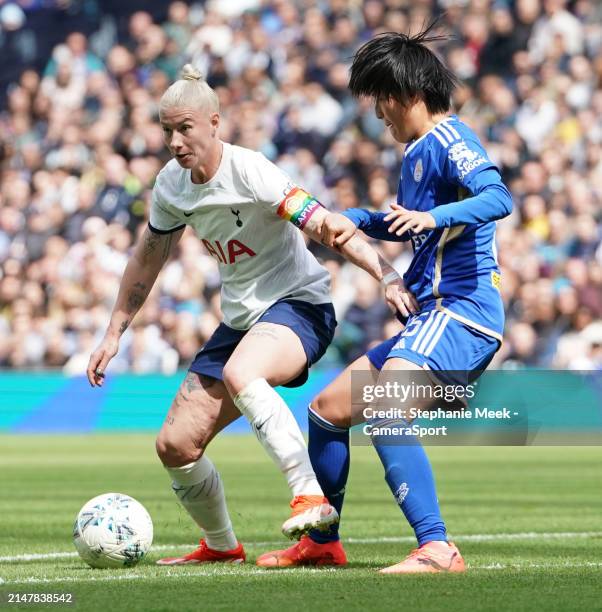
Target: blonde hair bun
190,73
190,90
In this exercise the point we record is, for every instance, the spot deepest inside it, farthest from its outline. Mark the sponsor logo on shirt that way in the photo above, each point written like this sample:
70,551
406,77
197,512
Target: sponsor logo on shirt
418,240
496,280
232,250
466,159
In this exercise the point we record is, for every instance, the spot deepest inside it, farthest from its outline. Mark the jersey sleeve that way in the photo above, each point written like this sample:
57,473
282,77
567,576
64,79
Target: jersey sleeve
465,164
162,220
274,189
373,224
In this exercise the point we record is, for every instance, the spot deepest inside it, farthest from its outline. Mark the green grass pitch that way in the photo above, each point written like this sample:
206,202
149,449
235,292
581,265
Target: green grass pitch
495,501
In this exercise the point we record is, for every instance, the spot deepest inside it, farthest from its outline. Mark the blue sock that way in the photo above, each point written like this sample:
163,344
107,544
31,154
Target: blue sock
329,453
410,478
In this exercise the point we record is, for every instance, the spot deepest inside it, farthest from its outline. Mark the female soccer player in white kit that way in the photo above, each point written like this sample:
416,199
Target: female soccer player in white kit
278,319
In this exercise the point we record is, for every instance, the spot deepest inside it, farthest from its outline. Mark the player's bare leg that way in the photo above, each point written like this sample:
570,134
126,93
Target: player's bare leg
201,408
341,405
271,355
335,407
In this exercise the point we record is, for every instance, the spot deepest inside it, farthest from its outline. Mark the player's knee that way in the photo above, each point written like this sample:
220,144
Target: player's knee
325,405
236,378
174,453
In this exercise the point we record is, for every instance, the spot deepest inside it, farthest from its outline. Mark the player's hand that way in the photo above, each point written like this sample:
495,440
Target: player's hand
399,298
405,220
337,230
100,359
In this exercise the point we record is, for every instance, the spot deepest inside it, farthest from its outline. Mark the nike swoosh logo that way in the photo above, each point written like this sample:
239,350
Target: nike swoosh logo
188,214
434,563
260,425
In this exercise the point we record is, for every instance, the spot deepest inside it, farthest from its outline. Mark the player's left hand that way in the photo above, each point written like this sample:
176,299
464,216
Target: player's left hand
405,220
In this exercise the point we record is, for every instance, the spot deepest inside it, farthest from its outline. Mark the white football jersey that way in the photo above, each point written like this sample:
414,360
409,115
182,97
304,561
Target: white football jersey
243,217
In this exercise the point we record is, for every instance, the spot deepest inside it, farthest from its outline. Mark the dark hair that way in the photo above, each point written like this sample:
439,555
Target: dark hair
400,66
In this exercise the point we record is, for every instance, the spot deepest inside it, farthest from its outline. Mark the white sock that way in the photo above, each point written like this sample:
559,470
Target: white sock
200,490
276,429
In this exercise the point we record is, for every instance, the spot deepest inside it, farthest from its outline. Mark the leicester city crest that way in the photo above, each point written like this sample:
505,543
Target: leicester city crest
418,171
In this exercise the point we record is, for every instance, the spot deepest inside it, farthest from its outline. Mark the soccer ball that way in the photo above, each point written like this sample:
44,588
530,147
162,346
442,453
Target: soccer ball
112,530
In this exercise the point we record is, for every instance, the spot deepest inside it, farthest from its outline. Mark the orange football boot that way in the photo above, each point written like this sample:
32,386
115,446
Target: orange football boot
204,554
309,512
430,558
305,552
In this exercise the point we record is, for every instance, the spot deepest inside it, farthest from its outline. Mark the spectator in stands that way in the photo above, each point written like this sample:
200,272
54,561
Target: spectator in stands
80,147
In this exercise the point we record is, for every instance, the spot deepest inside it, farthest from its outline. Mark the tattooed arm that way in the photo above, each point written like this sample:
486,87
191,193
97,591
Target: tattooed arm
151,252
359,252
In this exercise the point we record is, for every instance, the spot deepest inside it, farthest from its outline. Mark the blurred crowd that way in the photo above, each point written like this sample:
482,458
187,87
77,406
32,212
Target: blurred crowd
80,146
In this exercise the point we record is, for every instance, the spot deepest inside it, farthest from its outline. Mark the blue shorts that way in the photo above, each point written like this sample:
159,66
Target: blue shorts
313,323
454,352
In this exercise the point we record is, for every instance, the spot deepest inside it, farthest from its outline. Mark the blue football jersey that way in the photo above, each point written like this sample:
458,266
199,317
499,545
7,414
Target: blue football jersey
447,173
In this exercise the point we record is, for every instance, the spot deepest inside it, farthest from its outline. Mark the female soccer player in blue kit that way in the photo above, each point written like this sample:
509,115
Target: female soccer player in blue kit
449,196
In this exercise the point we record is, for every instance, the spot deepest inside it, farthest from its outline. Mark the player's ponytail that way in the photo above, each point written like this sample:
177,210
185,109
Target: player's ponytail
192,91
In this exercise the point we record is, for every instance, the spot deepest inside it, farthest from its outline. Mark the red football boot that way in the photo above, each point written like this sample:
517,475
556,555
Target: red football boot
305,552
204,554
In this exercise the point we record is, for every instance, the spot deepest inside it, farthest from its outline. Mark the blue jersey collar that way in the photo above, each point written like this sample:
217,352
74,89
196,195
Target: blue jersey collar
413,143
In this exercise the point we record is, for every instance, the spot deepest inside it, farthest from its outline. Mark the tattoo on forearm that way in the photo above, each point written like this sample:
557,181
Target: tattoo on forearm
123,327
136,297
362,254
356,246
386,267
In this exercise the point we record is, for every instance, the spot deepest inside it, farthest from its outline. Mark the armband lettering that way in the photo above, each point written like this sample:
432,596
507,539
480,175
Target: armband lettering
297,207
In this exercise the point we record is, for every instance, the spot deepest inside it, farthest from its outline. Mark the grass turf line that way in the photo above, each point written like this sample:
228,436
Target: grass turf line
45,480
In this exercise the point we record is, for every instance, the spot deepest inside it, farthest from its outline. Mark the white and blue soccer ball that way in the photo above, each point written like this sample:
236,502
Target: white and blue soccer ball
112,530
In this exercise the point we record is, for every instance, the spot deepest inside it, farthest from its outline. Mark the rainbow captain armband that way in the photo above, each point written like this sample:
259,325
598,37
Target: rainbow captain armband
297,207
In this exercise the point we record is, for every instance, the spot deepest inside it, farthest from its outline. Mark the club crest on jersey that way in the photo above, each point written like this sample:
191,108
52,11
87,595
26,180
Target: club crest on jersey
236,213
418,171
